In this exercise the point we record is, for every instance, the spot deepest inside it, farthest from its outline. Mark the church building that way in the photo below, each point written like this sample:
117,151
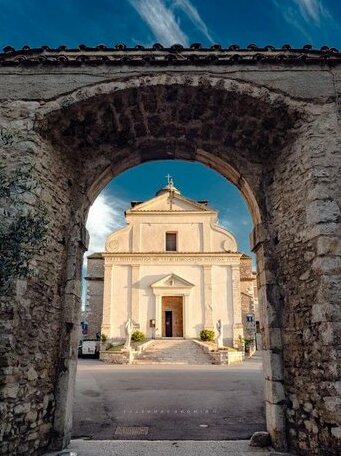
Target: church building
173,270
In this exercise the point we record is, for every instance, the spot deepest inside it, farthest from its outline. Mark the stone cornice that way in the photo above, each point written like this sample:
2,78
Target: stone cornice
158,55
178,258
169,212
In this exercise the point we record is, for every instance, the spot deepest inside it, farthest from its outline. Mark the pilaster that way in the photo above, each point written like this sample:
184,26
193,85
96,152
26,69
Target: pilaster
186,315
107,296
236,304
134,286
206,228
136,238
208,310
158,315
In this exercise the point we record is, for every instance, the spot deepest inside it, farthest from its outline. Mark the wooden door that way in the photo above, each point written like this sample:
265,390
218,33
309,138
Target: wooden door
172,311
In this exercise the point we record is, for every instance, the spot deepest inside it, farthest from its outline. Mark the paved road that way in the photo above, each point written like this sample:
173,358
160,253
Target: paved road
168,402
165,448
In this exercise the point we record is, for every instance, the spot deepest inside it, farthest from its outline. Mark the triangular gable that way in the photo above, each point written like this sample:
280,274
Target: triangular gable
172,280
162,203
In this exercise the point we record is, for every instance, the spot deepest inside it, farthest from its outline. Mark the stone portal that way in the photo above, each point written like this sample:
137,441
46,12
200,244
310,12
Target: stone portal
267,119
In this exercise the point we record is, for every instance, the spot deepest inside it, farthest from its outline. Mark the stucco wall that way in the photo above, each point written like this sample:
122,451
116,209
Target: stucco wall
221,297
120,300
189,236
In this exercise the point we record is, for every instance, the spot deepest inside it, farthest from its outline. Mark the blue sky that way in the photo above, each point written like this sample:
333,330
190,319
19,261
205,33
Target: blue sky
74,22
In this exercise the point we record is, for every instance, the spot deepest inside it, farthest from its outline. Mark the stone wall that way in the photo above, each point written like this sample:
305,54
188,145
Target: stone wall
273,130
94,294
294,278
305,273
248,299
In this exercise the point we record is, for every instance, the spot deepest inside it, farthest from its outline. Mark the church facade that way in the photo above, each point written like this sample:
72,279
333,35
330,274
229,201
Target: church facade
174,271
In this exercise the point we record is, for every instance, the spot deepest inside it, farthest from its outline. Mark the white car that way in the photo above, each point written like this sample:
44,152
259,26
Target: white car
88,347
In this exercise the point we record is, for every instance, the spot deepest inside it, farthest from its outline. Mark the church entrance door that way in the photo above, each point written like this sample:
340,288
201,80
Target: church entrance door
172,316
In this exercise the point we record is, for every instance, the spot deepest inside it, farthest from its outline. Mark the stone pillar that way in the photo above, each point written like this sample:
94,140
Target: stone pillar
186,315
208,316
237,327
134,286
107,296
94,295
158,315
269,310
69,339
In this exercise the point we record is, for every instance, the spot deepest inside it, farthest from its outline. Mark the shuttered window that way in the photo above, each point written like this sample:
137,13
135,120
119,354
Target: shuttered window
171,242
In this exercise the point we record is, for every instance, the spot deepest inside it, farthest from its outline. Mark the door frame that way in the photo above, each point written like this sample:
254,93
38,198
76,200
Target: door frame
161,289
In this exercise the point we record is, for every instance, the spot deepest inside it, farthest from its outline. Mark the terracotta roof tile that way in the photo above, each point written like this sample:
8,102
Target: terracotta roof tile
158,55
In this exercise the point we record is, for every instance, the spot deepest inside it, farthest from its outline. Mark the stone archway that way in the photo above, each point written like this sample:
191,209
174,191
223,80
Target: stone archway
273,147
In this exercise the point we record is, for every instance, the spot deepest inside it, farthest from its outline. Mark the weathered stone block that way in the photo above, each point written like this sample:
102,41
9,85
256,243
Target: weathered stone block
327,265
274,391
272,365
276,424
260,439
336,431
322,211
328,246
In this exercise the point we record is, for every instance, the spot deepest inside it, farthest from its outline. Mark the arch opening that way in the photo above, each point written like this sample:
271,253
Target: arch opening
150,177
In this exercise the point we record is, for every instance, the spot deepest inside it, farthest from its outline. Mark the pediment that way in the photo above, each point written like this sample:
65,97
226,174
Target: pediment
172,281
164,203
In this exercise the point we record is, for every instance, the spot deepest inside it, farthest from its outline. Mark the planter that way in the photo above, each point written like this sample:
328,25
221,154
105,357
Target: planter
222,356
117,357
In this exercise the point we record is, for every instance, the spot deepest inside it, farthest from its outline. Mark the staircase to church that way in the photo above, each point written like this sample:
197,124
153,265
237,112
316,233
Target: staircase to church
173,351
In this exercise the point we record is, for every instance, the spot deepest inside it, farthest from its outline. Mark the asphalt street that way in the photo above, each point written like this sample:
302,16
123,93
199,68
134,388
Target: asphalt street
168,402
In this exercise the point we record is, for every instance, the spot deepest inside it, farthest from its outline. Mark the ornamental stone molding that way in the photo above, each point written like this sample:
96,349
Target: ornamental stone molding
159,259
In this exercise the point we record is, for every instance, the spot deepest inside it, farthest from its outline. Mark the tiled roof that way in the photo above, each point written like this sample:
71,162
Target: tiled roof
158,55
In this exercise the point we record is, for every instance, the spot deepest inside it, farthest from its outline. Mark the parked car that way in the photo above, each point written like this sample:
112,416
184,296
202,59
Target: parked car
88,348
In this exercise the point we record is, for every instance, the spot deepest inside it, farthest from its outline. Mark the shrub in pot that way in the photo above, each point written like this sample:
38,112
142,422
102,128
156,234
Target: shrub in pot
137,336
207,335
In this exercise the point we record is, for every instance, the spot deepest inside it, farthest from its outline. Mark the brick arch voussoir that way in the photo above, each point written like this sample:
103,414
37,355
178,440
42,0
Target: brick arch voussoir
195,80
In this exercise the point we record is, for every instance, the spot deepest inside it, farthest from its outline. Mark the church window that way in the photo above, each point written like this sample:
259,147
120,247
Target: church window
170,242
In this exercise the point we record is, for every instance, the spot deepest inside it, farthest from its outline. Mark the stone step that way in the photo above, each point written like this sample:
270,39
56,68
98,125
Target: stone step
173,351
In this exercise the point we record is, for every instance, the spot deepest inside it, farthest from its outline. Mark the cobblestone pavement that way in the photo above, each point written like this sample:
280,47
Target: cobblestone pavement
174,352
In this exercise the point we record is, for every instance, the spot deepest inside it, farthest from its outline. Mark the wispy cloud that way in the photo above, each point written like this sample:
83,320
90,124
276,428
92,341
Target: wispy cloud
161,21
105,216
307,15
194,16
164,23
312,10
